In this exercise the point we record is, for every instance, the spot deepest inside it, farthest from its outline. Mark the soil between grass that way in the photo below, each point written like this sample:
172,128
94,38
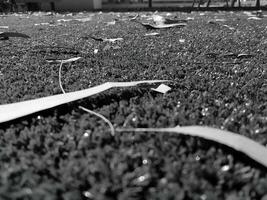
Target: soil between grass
65,153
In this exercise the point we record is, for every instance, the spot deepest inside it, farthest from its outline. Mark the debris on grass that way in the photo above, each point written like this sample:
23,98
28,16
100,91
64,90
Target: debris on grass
162,88
112,129
95,51
106,39
16,110
152,34
4,27
132,18
81,107
220,20
162,26
111,23
76,19
240,143
254,18
229,27
56,60
160,22
236,55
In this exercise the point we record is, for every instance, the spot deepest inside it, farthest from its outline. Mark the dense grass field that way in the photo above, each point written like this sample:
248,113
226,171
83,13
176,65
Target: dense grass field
218,73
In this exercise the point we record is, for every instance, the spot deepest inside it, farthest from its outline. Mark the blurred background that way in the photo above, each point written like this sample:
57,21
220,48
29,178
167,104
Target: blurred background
86,5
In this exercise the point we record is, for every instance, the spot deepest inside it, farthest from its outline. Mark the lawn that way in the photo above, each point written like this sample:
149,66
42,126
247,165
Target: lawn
217,67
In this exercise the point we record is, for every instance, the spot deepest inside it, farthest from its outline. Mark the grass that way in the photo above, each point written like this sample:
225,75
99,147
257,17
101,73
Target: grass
66,153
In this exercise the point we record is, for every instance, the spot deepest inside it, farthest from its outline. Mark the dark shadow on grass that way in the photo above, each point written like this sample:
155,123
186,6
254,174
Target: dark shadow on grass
91,103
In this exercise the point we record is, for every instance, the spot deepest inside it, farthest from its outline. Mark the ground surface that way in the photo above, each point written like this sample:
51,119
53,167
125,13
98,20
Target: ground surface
65,153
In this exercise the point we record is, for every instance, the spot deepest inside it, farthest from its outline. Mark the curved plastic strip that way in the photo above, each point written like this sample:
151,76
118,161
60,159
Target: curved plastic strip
15,110
238,142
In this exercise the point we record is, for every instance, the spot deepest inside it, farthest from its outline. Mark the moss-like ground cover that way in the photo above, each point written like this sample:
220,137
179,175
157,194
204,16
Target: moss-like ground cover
65,153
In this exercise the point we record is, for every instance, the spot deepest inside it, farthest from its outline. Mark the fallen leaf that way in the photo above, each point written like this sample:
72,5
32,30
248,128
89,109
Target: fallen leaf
131,18
42,24
235,55
181,40
244,55
84,19
7,35
220,20
162,26
229,27
235,141
162,88
111,23
152,34
112,39
190,18
76,19
64,20
63,61
161,22
16,110
254,18
106,39
93,37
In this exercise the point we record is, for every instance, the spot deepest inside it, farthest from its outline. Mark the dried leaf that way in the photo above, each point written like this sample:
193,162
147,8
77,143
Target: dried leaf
152,34
62,61
84,19
162,88
93,37
16,110
220,20
112,39
255,18
7,35
42,24
190,18
134,17
237,142
64,20
77,19
162,26
111,23
229,27
244,55
106,39
160,22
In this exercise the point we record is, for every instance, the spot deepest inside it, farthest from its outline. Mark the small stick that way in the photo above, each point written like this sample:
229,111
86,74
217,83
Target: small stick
59,77
100,116
83,108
